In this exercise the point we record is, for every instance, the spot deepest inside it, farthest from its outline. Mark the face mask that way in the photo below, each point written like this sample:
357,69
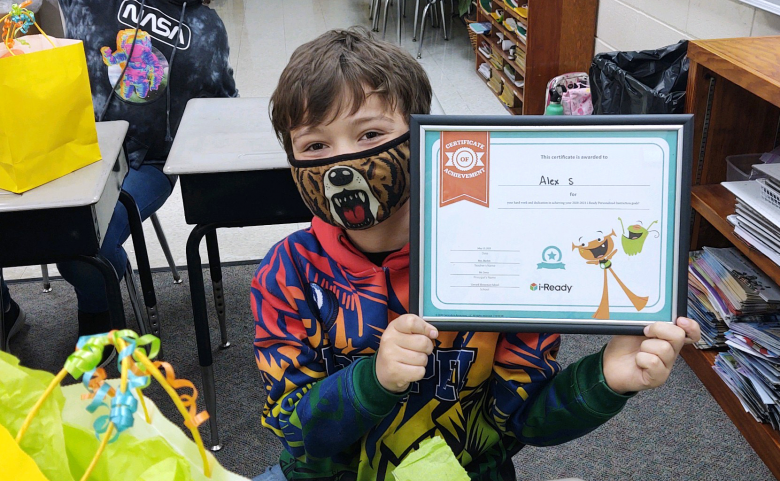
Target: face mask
356,191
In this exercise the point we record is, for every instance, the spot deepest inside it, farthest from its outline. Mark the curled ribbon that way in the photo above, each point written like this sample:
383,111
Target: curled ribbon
19,19
123,407
188,400
88,355
95,381
137,369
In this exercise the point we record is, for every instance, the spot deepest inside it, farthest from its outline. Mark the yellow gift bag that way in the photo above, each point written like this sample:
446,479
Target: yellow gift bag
47,124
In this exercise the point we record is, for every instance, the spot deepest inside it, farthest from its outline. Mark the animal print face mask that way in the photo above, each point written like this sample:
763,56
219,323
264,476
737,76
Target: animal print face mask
356,191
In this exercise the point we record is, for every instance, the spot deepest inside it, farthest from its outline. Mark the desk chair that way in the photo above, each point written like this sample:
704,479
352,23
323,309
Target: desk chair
437,5
438,10
163,244
148,322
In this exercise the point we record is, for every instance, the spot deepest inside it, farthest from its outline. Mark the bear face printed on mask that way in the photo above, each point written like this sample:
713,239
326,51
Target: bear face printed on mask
356,191
351,201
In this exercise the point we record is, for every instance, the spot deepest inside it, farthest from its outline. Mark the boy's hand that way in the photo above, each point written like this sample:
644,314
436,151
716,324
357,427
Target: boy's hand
403,352
637,363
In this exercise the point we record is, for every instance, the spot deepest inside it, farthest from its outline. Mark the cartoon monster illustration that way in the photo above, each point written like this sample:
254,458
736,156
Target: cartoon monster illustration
600,252
144,72
637,234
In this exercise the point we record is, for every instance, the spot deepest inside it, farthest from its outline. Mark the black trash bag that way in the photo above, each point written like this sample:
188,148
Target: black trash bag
647,82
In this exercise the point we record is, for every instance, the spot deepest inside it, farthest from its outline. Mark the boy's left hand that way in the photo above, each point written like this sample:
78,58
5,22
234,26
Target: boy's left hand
637,363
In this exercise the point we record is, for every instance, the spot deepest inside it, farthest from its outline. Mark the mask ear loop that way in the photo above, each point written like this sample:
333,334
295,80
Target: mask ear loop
129,57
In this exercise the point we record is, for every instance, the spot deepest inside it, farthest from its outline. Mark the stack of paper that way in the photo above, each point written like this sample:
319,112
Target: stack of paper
723,288
751,368
756,221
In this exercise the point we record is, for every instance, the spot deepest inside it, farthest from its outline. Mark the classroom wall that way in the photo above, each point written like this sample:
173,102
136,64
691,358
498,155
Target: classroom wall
649,24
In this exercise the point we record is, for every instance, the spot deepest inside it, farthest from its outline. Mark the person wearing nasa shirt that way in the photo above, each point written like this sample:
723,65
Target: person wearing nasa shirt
146,60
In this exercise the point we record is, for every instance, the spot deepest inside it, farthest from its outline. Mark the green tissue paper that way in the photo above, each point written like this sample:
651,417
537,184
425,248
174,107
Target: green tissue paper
432,460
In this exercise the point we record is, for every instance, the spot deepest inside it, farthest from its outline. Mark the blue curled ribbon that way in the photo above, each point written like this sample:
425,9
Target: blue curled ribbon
123,407
97,401
101,426
26,20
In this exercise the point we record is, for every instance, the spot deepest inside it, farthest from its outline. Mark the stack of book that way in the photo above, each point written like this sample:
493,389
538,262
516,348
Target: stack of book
757,215
738,308
751,368
724,288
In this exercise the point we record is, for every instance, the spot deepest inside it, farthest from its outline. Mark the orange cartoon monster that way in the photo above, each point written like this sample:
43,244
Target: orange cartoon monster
600,252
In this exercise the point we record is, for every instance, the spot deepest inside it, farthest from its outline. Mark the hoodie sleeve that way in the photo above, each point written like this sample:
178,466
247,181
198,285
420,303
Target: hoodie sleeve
541,406
314,413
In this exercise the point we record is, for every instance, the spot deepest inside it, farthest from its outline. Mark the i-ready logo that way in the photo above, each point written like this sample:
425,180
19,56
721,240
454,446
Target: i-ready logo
551,287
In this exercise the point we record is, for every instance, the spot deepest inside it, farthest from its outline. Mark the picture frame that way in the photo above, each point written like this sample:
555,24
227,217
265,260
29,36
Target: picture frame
493,196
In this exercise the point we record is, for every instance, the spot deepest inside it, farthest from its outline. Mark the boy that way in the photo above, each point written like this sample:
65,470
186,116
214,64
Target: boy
354,382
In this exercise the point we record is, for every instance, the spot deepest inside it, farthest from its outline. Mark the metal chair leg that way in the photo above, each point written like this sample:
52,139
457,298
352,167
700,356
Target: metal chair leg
416,17
443,20
399,14
201,321
422,30
371,10
435,14
132,292
45,275
166,249
377,14
384,28
212,247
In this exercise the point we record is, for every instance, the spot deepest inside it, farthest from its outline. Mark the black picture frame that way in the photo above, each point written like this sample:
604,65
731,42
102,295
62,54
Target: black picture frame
684,155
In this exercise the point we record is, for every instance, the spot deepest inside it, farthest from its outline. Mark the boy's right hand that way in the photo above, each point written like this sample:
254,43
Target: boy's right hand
403,352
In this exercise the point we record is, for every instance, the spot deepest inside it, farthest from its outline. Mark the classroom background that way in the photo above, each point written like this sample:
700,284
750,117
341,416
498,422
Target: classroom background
679,431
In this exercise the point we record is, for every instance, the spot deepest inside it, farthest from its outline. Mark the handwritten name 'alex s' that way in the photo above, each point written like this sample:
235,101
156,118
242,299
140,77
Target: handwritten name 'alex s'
550,181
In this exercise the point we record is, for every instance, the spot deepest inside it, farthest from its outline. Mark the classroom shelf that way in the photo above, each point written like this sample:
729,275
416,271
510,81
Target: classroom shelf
522,20
714,202
511,110
519,41
761,437
518,91
735,85
494,46
560,39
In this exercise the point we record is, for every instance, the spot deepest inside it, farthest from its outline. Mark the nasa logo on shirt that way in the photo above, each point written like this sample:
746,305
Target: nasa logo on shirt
162,27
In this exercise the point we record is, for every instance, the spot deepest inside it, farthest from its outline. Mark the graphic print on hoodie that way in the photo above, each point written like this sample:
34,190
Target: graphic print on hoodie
200,67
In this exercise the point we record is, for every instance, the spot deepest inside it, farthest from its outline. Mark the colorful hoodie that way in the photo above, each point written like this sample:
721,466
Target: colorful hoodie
321,307
199,69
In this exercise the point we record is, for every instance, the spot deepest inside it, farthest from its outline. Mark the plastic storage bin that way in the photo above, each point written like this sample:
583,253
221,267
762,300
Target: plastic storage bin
740,167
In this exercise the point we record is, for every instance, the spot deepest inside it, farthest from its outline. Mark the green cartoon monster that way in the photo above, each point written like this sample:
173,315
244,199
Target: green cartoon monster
635,240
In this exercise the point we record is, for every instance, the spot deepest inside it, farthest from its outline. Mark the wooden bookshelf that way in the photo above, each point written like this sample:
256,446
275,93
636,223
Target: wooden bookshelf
511,110
715,203
764,440
560,39
520,19
517,91
734,93
504,55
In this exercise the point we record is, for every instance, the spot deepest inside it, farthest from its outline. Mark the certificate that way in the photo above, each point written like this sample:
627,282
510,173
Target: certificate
550,224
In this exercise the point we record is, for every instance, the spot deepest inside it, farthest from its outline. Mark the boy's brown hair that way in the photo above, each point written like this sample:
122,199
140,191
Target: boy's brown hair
336,72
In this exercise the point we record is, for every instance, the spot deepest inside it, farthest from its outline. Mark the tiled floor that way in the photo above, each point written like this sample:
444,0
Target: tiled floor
263,36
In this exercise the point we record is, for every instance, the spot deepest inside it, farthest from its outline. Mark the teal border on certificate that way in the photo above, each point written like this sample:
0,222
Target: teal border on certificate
672,140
